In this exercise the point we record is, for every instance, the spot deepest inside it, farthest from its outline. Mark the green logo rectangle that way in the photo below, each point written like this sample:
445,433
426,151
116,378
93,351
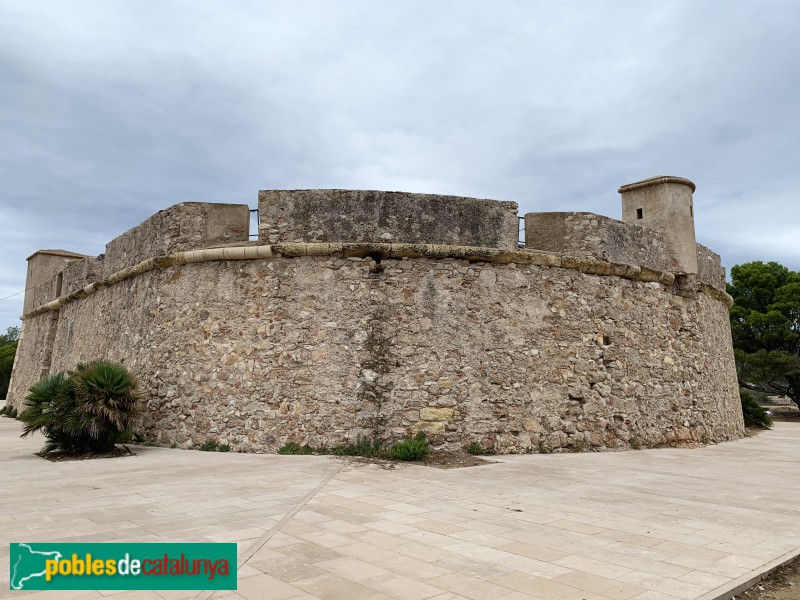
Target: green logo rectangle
117,566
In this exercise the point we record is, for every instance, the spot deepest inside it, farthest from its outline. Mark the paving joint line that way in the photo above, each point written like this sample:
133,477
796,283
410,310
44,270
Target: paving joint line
260,542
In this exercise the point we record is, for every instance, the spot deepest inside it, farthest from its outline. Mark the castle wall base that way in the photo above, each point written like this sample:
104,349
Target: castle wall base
322,349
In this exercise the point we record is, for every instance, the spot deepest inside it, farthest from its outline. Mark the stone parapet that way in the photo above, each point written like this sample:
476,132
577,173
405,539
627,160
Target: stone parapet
179,227
375,216
587,235
42,293
81,273
709,268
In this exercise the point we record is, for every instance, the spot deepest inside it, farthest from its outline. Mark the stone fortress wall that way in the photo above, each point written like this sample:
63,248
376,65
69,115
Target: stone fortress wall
385,313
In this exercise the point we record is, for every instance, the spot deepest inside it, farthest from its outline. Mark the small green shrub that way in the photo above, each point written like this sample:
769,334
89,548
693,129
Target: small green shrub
295,448
754,414
9,411
415,448
363,446
475,448
215,446
87,410
544,448
635,442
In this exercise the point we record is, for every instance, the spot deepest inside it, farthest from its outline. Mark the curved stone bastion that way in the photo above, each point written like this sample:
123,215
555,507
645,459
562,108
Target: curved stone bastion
385,313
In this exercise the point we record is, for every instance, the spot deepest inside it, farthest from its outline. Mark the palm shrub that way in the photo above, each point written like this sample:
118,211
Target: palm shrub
106,395
89,409
49,408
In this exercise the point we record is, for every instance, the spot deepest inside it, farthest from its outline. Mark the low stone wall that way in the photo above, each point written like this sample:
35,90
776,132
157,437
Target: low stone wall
179,227
374,216
709,268
588,235
514,357
81,273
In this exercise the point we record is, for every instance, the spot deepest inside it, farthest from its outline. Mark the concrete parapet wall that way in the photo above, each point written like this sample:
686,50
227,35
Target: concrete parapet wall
588,235
179,227
375,216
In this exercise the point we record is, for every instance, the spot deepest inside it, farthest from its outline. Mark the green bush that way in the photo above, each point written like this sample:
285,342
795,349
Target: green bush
475,449
9,411
415,448
215,446
363,446
295,448
754,414
87,410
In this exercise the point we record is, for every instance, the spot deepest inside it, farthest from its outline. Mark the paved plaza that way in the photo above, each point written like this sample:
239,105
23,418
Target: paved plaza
661,524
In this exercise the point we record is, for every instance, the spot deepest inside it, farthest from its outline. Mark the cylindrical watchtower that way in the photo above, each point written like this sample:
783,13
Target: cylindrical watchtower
665,203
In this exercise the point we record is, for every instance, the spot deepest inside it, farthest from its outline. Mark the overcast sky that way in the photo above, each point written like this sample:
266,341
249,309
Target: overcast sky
113,109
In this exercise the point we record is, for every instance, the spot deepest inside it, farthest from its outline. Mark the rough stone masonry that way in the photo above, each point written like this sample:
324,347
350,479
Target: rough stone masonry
384,313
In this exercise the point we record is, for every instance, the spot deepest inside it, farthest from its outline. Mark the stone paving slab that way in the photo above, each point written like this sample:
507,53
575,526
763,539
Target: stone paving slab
666,524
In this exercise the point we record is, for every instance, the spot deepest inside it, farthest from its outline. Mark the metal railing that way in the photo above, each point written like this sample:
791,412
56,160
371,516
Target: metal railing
254,210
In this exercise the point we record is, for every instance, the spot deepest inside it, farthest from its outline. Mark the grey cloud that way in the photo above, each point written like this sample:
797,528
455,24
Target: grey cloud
113,109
